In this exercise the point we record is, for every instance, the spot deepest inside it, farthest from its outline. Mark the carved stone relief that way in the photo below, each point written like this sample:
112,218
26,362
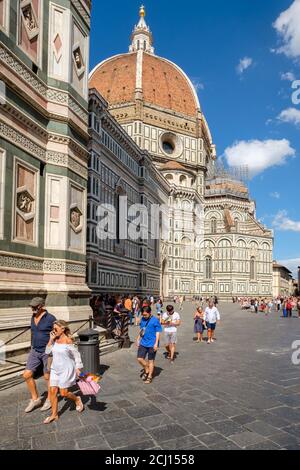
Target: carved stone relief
29,19
76,219
29,28
78,60
25,203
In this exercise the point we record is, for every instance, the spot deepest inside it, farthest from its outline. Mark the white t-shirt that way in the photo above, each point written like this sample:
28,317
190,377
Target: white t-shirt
174,317
211,315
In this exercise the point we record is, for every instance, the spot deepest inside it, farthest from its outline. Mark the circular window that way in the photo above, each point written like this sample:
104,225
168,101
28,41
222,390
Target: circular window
168,147
171,144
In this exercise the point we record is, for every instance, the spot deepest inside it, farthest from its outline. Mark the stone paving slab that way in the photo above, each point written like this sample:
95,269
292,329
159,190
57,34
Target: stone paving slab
241,392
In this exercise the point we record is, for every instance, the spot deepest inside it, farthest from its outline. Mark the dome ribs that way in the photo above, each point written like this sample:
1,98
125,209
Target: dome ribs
163,83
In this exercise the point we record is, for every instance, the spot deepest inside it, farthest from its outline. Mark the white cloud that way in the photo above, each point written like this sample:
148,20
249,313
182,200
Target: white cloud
258,155
292,265
244,64
197,84
289,76
282,222
275,195
287,26
291,115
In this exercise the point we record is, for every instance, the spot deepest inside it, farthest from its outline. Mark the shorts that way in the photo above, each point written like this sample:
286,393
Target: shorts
211,326
143,352
171,338
35,360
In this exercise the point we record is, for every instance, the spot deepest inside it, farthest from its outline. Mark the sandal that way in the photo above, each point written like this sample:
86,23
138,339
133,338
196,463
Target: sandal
148,380
49,419
143,374
80,406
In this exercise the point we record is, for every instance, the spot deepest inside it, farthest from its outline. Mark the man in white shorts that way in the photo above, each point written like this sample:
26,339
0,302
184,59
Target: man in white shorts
171,320
211,317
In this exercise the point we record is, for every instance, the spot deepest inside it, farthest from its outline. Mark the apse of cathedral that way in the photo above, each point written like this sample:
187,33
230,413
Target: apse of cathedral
220,249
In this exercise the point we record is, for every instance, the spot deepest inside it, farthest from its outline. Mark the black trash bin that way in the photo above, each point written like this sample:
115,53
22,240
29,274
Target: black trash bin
88,347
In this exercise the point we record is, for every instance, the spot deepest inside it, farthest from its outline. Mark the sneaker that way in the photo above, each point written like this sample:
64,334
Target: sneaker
46,406
33,404
208,341
212,340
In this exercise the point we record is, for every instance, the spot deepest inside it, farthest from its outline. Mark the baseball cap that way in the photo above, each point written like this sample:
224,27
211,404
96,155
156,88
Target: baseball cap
37,301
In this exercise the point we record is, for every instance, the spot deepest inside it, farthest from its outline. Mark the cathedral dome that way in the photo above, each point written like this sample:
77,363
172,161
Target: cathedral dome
143,75
162,83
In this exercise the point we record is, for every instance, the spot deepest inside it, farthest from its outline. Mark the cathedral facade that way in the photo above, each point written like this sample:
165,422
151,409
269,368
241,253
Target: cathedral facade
215,245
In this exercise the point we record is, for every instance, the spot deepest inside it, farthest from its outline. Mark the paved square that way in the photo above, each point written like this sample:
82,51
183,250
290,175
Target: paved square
241,392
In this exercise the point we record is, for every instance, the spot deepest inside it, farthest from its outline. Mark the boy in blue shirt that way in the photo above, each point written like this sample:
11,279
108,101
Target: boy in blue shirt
148,343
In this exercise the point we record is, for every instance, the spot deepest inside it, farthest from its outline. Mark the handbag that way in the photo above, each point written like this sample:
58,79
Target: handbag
143,330
88,388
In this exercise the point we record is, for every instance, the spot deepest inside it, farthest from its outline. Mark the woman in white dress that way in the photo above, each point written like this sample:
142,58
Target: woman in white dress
65,367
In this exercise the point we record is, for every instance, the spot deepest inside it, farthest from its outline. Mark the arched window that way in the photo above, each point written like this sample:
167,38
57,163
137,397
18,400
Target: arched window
138,44
183,180
145,45
252,268
213,223
169,177
208,267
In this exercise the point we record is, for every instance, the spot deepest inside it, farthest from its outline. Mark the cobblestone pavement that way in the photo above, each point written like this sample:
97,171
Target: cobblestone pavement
242,392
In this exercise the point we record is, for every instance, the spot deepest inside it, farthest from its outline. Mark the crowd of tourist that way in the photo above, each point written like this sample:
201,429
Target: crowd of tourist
54,350
286,305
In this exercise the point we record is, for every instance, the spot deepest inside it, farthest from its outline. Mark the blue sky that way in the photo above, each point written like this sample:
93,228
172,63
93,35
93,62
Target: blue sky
242,56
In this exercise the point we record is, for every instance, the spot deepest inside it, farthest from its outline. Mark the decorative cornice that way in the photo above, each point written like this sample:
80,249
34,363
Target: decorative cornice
52,265
43,266
50,94
21,117
55,158
62,159
20,140
83,8
65,140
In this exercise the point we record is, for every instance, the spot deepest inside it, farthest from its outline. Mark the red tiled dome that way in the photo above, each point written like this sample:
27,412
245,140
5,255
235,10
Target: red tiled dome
163,83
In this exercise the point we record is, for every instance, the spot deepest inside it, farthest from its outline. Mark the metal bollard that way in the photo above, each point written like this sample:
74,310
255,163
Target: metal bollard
125,328
88,347
108,321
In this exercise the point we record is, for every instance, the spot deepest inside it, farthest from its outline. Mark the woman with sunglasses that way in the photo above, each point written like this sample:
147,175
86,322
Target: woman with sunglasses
65,367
